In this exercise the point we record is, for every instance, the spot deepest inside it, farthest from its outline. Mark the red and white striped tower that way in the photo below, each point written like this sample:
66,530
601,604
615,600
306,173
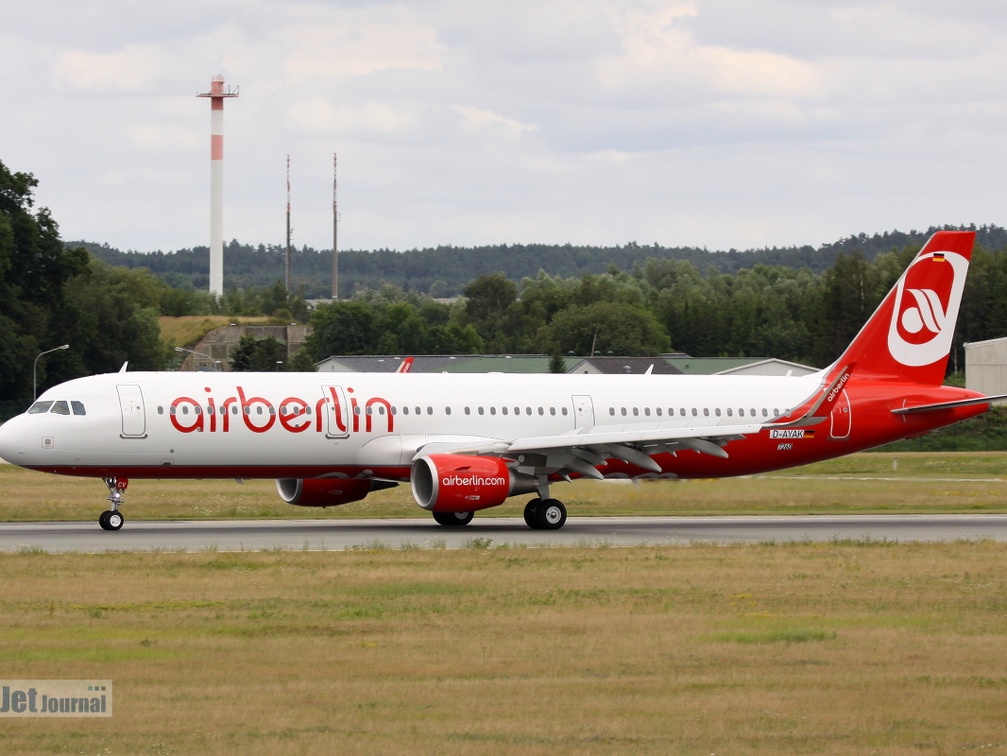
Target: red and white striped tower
217,94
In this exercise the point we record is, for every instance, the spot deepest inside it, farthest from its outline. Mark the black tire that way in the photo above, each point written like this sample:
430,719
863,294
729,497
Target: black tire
531,513
103,519
453,519
551,514
114,520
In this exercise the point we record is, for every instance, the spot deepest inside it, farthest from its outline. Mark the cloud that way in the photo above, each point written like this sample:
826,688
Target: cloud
125,71
317,115
477,120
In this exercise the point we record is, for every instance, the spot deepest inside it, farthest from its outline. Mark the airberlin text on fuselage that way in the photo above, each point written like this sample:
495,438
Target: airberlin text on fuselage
259,415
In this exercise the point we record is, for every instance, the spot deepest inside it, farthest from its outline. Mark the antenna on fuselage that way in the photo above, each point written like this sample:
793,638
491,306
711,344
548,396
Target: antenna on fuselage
123,368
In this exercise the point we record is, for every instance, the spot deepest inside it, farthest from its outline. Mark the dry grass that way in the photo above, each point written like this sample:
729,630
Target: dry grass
831,648
862,483
190,329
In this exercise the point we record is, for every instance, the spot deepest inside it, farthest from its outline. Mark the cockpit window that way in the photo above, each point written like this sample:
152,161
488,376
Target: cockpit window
78,408
39,407
60,408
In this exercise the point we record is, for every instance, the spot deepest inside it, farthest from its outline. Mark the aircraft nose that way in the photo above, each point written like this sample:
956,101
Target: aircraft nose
11,441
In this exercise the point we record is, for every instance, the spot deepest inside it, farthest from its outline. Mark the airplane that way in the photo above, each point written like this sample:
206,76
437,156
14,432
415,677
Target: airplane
468,442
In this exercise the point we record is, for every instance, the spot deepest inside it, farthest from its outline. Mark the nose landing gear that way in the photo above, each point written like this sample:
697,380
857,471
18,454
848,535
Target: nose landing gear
112,519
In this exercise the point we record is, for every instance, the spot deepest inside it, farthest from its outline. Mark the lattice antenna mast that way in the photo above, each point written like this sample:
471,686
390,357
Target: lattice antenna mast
217,95
288,229
335,233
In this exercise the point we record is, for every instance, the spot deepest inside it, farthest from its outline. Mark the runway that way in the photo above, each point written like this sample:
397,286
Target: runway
340,535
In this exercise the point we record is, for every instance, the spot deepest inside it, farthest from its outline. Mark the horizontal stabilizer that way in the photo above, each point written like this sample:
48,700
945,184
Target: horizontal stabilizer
948,405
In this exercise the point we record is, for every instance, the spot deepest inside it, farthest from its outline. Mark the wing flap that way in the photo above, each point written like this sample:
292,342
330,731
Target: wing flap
601,435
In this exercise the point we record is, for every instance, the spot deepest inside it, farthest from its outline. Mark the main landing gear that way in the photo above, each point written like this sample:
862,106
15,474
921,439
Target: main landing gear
539,514
453,519
112,519
545,514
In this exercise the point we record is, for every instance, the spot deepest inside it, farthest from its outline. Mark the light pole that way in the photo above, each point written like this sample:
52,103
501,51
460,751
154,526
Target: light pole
34,370
213,362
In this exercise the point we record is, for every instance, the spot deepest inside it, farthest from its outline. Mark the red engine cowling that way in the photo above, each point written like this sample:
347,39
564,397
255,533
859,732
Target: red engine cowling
460,483
322,492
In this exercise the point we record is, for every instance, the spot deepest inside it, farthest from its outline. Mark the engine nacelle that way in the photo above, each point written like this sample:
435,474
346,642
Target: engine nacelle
462,483
323,492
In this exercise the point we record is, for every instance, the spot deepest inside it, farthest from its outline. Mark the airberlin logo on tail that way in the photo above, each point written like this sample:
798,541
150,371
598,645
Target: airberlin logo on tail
926,308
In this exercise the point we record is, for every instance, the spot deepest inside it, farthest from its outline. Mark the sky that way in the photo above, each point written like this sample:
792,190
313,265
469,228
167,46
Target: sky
711,123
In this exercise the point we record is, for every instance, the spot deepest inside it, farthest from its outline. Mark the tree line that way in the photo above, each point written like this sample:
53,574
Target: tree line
52,293
445,271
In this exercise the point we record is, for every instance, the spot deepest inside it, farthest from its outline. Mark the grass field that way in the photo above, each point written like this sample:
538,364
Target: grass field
804,648
789,648
861,483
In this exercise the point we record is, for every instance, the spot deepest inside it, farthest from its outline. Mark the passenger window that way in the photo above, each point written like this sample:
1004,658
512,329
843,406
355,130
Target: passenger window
78,408
646,411
565,412
60,408
503,410
611,411
493,410
552,410
39,408
717,412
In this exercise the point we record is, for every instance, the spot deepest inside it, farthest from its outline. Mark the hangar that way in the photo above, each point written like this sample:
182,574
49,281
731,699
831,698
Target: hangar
986,366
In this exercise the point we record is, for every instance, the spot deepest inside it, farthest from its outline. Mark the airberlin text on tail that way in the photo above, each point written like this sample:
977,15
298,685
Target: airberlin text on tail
909,336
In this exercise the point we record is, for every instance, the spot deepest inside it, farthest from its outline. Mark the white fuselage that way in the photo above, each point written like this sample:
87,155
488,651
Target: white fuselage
274,425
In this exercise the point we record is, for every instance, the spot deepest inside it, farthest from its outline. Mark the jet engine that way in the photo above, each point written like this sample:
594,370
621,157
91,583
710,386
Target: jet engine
326,492
462,483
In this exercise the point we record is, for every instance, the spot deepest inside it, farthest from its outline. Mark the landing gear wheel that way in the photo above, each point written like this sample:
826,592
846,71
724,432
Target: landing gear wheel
110,519
531,513
453,519
550,514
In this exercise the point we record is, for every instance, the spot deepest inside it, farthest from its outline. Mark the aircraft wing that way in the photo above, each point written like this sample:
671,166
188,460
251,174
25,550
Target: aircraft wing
582,450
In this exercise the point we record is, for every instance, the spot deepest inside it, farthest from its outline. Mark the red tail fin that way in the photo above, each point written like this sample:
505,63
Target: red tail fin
909,336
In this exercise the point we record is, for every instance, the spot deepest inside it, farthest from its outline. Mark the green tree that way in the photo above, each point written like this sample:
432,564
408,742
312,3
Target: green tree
609,327
259,355
342,328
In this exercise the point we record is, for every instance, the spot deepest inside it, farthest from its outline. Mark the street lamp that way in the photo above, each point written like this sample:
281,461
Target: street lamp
34,370
213,362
